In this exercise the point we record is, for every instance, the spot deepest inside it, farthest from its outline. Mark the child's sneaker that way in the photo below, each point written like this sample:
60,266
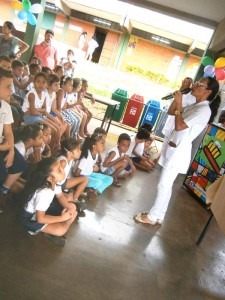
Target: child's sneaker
57,240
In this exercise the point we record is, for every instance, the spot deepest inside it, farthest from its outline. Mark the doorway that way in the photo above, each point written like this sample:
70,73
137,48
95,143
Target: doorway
100,35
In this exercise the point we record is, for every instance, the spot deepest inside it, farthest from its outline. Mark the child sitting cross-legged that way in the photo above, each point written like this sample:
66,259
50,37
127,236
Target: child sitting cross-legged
40,212
116,161
70,153
88,166
136,150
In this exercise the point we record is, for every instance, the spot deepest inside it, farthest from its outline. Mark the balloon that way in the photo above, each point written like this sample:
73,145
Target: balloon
16,5
31,18
207,61
22,15
26,4
220,74
220,62
36,8
209,70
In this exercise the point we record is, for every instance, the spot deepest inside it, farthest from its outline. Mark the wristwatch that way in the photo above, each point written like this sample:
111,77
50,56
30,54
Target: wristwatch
177,112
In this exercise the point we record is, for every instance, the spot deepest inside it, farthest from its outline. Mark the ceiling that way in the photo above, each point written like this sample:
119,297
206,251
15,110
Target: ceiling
202,12
207,13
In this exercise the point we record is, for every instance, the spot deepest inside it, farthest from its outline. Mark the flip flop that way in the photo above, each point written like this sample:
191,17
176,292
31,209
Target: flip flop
138,218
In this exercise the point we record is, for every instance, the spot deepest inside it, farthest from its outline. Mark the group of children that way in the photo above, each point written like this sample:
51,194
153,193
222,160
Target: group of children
47,164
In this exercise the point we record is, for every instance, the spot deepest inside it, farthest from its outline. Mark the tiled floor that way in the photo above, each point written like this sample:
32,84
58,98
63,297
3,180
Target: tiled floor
110,257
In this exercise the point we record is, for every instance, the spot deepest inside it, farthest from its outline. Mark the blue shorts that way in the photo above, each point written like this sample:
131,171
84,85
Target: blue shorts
29,221
136,160
19,165
29,119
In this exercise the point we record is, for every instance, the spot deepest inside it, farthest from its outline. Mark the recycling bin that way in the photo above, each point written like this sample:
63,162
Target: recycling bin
151,112
133,110
122,97
161,123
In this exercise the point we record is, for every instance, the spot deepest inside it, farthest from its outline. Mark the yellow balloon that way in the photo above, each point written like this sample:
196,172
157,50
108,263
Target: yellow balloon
16,5
220,62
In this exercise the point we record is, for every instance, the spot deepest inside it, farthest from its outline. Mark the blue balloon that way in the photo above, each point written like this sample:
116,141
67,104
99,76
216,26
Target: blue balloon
207,75
22,15
31,19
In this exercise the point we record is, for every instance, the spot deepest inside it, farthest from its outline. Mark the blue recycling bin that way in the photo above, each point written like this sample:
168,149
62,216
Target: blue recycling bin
151,112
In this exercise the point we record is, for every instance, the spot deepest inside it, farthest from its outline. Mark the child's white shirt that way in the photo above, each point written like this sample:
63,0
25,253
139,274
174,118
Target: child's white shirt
72,98
42,199
139,149
38,102
20,146
6,117
117,155
67,168
132,145
86,164
49,101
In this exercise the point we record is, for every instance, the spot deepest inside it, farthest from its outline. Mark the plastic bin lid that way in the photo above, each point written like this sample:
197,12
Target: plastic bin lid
153,103
137,98
121,93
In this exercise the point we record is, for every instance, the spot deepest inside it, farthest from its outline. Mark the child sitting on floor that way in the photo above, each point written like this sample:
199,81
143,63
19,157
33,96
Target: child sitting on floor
70,152
136,150
40,212
116,161
88,165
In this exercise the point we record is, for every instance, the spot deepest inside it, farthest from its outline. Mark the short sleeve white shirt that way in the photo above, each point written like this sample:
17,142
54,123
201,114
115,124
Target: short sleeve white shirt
132,145
86,164
42,199
5,117
20,146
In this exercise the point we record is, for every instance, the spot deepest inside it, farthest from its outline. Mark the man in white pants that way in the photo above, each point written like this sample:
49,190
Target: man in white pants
176,151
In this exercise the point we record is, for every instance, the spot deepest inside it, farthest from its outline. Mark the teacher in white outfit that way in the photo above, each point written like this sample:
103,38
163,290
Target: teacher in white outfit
176,150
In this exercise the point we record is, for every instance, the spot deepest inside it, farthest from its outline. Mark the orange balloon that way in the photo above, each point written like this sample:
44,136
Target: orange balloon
16,5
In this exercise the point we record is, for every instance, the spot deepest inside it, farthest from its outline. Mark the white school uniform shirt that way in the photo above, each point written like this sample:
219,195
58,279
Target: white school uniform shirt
139,149
20,146
38,102
6,117
49,100
72,98
86,164
64,99
132,145
187,100
196,116
42,199
67,168
117,155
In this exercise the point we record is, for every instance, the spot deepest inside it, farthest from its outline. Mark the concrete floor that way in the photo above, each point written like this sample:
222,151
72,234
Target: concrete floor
110,257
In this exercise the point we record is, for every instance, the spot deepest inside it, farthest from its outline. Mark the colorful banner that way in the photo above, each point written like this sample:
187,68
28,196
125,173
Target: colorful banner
208,163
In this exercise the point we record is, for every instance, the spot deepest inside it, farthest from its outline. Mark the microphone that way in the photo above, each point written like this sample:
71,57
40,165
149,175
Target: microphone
170,96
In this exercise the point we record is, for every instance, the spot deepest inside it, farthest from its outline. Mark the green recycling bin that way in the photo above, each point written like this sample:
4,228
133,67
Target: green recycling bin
122,97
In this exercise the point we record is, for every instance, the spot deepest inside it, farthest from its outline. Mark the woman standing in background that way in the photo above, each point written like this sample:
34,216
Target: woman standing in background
9,44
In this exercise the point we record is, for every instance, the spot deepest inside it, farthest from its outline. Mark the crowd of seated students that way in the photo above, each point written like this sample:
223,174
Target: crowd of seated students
49,162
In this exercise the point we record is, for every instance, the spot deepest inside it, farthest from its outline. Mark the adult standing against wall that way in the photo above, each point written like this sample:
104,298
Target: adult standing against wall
82,40
92,45
9,44
176,150
46,51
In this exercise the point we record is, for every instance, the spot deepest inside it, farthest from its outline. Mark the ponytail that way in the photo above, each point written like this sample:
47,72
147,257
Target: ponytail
214,106
89,143
214,98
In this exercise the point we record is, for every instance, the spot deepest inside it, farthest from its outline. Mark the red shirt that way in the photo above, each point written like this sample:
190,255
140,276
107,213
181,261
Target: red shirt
47,54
